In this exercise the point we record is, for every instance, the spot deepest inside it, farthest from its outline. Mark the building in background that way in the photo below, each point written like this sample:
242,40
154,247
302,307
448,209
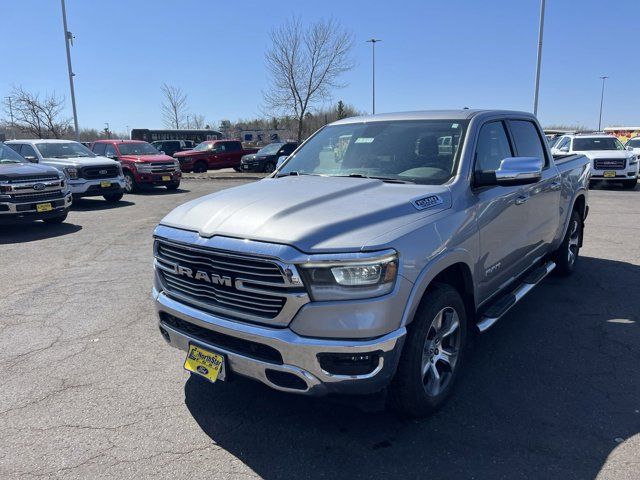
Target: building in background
197,136
623,133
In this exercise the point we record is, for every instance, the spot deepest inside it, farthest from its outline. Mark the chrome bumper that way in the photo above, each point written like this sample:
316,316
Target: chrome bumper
80,186
10,208
299,354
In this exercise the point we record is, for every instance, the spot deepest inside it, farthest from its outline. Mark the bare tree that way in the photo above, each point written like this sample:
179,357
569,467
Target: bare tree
305,65
36,116
174,106
197,121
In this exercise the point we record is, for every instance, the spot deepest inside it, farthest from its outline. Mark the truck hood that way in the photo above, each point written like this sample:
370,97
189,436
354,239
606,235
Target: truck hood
191,153
594,154
147,158
80,162
12,171
311,213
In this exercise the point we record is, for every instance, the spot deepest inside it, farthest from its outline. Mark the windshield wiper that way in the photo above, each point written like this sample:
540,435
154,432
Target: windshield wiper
384,179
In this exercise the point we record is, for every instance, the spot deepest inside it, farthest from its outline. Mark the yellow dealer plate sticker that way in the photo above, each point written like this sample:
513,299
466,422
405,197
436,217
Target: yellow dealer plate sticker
609,174
105,184
166,178
204,362
44,207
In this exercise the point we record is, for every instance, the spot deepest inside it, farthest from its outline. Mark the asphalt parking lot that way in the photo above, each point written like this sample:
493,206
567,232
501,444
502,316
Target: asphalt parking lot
90,390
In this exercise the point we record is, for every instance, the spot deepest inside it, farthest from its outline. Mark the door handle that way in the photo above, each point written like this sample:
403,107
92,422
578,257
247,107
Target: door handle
555,185
521,199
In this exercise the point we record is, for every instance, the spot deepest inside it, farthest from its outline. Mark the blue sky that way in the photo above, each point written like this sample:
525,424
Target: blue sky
434,54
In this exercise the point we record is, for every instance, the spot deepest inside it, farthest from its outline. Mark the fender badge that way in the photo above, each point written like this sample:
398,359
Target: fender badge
427,202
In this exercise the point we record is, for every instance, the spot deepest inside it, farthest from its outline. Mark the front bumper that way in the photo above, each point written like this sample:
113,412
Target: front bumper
252,166
158,178
299,355
94,188
11,212
628,173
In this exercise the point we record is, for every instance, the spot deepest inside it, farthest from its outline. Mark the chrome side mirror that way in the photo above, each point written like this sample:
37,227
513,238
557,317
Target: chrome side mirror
519,171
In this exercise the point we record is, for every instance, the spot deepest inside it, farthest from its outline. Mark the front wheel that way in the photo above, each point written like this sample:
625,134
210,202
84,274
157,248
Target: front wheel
629,184
432,355
113,197
58,219
173,185
270,167
129,183
567,254
200,167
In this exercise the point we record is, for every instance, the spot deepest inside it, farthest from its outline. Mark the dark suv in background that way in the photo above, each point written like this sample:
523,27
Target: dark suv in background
266,159
169,147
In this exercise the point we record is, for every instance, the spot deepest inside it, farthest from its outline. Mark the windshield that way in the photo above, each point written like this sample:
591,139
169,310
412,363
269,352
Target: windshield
634,143
596,143
204,146
63,150
422,151
270,149
137,149
552,141
9,155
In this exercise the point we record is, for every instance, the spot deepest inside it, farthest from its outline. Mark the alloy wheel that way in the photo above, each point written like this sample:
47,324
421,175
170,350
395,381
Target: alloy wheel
574,241
441,351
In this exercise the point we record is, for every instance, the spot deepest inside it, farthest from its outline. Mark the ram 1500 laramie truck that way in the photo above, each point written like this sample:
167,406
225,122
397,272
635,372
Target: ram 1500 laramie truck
366,260
87,174
31,192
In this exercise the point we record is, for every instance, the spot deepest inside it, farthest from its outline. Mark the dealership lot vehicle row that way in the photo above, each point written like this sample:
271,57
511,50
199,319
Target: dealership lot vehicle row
91,391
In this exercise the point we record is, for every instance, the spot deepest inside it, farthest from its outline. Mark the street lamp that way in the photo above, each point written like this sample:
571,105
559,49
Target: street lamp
373,42
603,78
540,32
68,39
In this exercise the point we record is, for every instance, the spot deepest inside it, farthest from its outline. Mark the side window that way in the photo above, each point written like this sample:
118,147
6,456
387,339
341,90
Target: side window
110,151
98,148
15,147
527,140
564,142
28,151
221,147
288,149
234,146
492,147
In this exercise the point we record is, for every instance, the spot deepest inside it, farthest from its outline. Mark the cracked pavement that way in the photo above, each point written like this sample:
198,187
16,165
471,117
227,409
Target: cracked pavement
88,388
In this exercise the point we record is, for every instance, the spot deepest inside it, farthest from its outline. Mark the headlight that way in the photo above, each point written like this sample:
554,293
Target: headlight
143,167
177,164
633,160
72,173
346,280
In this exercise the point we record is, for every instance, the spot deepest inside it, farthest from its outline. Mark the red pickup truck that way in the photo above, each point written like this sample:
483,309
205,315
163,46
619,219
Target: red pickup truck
213,154
141,163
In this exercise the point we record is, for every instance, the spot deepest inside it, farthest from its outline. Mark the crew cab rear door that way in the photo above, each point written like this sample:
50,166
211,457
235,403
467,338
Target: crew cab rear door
543,197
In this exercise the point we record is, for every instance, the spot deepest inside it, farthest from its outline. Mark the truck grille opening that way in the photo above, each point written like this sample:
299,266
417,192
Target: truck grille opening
92,173
609,163
37,178
240,346
207,279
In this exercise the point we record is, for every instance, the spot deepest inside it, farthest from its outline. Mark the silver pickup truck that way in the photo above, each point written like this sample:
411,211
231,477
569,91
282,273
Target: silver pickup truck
369,257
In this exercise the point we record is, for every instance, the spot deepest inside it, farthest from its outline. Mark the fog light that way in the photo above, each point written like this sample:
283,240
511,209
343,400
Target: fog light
349,363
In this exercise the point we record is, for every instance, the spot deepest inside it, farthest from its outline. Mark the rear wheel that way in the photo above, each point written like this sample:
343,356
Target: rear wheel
567,255
200,167
432,355
113,197
130,185
58,219
173,185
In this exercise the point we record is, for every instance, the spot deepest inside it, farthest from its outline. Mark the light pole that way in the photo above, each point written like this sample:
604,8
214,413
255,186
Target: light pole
13,132
373,42
107,130
68,39
540,32
604,77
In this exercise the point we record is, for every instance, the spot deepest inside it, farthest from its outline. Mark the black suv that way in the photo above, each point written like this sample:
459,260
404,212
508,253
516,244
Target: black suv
169,147
266,159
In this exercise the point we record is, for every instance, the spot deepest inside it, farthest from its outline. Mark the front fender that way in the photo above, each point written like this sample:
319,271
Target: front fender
429,272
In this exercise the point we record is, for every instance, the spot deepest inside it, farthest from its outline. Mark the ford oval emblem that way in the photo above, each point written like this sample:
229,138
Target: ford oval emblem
102,172
39,186
202,370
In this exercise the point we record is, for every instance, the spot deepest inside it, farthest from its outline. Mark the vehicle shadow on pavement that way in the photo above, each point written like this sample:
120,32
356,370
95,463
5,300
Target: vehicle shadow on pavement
31,232
89,204
550,392
158,191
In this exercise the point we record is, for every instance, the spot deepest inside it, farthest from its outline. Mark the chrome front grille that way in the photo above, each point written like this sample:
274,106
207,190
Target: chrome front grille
37,197
36,179
609,163
168,167
234,285
95,173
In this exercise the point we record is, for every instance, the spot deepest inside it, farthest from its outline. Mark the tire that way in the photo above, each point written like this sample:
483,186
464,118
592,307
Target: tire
629,184
200,167
58,219
130,185
566,256
173,185
113,197
269,167
417,394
